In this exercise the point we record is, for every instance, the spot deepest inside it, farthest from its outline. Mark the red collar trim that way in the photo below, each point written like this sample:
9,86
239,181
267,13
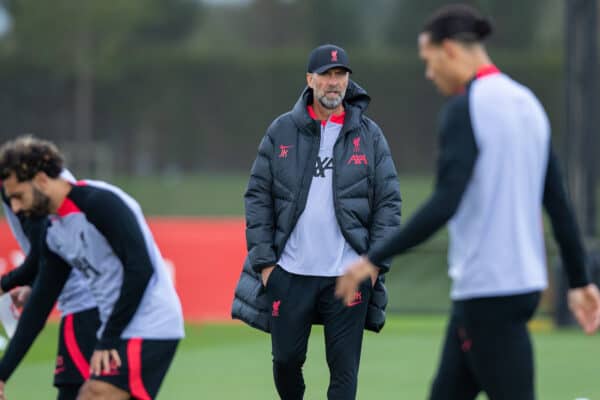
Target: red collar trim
489,69
336,119
67,207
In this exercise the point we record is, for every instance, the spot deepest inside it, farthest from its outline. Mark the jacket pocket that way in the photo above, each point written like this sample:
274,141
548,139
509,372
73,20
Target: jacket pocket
271,277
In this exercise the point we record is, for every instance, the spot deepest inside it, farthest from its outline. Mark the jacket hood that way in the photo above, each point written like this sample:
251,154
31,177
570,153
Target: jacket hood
356,102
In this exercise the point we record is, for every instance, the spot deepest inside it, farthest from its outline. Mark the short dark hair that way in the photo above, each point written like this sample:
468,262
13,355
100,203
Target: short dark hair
27,155
460,22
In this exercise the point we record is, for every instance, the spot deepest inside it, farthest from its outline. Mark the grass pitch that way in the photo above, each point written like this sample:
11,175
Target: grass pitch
233,361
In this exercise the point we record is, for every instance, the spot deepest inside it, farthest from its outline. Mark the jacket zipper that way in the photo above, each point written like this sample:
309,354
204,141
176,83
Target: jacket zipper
335,196
307,176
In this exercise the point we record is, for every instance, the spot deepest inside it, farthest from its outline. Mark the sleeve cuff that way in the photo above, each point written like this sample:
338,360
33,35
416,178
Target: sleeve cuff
108,343
5,284
259,267
579,281
384,266
375,258
4,374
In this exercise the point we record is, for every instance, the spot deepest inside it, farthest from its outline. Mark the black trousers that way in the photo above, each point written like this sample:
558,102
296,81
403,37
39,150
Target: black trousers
488,349
297,301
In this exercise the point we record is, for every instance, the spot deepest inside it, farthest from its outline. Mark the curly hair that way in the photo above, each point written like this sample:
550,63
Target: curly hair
27,155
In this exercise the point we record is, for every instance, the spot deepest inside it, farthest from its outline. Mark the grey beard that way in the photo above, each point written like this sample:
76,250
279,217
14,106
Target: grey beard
331,104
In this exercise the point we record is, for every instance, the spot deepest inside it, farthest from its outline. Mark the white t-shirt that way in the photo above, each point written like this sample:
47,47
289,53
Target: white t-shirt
316,246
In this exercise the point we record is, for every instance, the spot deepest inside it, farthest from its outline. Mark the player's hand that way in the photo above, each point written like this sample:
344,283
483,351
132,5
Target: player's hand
2,395
347,284
103,361
265,273
584,303
374,275
20,295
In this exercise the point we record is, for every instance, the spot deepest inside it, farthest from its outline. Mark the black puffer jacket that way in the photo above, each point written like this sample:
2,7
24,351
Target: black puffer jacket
365,190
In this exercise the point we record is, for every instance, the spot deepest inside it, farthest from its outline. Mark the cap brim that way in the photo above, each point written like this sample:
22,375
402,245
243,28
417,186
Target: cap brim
327,67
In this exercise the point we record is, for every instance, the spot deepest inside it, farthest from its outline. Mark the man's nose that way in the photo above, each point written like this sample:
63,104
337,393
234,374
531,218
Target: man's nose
16,206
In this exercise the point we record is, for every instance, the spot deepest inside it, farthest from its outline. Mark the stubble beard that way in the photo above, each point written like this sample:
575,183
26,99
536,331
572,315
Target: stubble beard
331,104
41,204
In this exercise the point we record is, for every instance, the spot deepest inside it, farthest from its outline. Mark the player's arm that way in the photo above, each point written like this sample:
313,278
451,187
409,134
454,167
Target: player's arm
583,296
456,161
24,275
564,225
260,216
14,223
386,197
51,278
118,224
27,271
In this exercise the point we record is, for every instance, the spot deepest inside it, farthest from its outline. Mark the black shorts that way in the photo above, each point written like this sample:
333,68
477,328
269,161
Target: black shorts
144,364
488,349
76,342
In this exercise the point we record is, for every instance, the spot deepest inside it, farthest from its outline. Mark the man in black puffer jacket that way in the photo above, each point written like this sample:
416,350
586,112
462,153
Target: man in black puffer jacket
322,191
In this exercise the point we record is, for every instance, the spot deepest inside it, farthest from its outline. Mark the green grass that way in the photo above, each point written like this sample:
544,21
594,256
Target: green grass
191,195
234,362
219,194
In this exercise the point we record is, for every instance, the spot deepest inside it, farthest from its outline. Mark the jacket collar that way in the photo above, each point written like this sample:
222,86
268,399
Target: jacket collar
356,102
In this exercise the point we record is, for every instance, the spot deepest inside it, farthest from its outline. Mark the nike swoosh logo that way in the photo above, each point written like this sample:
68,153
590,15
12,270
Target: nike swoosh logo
354,303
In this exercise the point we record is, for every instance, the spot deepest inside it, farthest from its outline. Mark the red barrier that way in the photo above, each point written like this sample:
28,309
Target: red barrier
10,253
206,256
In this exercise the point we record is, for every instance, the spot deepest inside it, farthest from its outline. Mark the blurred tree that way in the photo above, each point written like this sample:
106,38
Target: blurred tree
274,24
161,87
405,20
285,23
516,21
335,21
82,41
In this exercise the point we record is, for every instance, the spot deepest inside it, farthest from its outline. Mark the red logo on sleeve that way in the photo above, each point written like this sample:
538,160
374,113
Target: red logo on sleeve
283,150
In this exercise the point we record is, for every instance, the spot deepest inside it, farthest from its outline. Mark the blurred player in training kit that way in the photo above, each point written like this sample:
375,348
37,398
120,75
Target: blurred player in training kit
100,231
496,170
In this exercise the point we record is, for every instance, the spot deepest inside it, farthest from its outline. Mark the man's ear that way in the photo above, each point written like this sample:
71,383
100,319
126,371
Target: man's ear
309,80
41,179
450,48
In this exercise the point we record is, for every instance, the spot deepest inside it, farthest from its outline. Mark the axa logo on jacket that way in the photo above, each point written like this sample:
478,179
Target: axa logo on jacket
356,158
